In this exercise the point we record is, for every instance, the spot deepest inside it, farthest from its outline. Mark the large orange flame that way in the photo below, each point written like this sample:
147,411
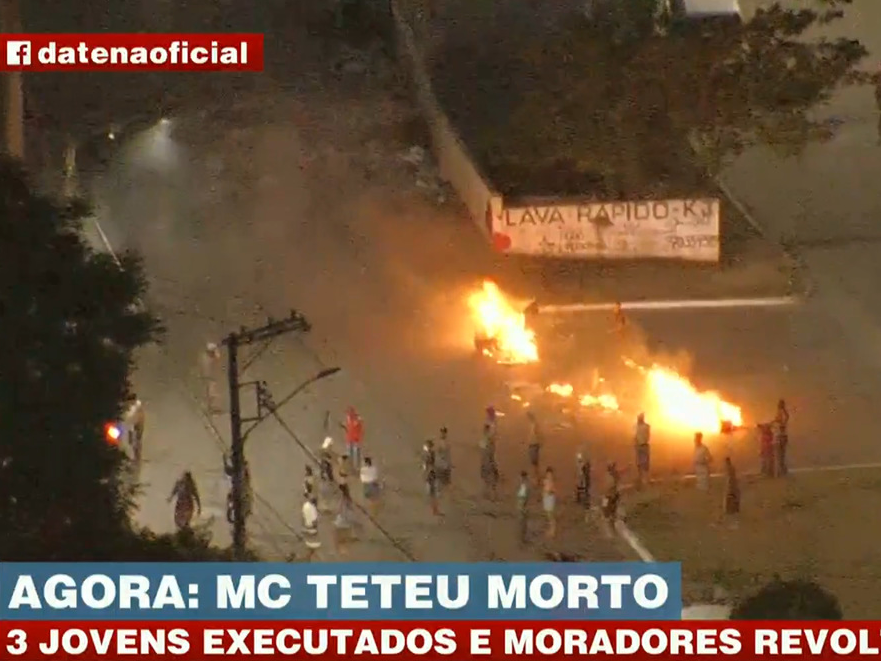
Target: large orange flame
678,404
498,320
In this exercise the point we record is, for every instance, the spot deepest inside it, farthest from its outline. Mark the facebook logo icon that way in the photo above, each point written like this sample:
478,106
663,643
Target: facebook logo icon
18,53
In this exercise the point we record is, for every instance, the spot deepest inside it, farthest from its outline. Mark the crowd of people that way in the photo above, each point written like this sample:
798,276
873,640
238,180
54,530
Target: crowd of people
330,490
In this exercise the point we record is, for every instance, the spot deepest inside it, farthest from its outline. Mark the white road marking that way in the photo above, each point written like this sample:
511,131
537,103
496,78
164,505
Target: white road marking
722,303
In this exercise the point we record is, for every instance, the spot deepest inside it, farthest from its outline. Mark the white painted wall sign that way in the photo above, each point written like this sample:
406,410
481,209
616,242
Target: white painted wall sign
668,229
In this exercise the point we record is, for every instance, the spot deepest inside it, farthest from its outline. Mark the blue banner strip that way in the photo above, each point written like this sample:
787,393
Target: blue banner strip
356,591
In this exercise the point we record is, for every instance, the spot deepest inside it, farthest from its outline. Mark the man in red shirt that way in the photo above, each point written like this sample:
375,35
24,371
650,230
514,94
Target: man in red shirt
354,436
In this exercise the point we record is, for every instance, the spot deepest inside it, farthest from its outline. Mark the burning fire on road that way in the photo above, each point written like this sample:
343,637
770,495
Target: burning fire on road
606,402
678,405
671,402
501,332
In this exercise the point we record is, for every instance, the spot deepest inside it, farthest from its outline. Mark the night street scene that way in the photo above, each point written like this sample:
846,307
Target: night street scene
455,281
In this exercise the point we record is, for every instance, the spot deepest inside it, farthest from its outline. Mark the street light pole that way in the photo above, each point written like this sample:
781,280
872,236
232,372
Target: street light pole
237,446
10,17
296,322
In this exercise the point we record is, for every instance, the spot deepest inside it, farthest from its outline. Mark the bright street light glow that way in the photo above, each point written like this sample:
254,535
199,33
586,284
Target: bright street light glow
112,433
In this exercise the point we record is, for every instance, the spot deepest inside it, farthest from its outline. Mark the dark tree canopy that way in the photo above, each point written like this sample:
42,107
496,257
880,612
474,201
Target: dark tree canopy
70,320
789,600
631,98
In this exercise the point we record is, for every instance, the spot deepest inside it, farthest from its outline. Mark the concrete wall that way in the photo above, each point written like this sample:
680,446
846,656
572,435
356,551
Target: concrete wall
455,163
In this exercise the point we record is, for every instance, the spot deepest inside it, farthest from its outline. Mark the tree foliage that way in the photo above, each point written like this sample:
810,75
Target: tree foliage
631,98
70,320
789,600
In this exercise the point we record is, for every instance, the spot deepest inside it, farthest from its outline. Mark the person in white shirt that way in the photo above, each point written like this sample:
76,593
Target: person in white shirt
370,484
310,527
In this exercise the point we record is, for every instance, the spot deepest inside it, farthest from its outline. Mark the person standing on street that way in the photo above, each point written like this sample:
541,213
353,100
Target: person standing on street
187,503
341,476
642,439
703,461
491,423
549,502
582,488
354,436
523,508
534,447
429,474
443,460
619,320
612,499
878,102
309,513
309,491
370,485
489,470
731,505
781,438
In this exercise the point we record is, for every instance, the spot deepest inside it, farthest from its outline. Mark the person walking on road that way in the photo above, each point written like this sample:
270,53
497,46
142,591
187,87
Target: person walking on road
443,460
781,438
187,503
370,485
703,461
523,508
534,447
489,470
642,444
354,436
582,483
429,474
309,513
549,502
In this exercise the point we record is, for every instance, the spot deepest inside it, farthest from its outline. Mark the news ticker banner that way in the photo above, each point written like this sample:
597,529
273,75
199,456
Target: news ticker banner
131,52
362,592
434,641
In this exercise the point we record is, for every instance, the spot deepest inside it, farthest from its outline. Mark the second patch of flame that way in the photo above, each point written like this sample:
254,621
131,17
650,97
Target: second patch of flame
607,402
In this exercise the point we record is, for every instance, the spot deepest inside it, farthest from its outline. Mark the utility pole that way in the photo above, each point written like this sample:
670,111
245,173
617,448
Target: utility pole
10,18
295,323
